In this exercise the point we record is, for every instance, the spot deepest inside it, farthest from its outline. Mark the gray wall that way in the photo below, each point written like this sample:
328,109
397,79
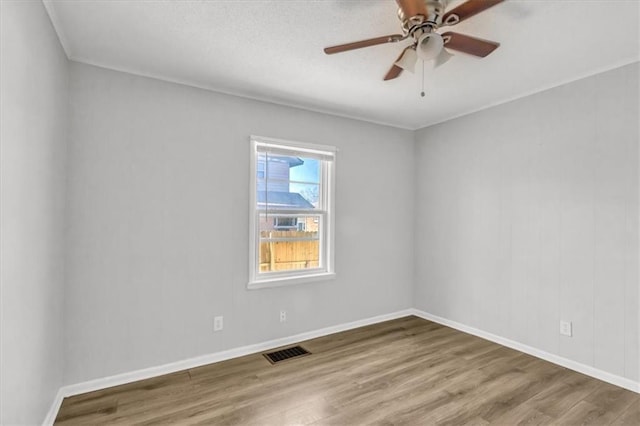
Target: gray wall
158,215
527,213
33,123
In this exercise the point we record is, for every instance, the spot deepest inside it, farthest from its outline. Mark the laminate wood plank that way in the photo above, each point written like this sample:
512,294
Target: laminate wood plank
585,413
629,417
475,398
405,371
560,397
611,398
522,414
95,409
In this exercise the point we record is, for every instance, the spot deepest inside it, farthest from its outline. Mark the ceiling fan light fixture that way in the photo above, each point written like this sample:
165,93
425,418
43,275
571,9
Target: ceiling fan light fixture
408,60
443,58
429,46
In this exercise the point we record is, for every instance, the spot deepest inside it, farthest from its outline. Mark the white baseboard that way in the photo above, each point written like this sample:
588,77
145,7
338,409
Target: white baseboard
146,373
614,379
55,407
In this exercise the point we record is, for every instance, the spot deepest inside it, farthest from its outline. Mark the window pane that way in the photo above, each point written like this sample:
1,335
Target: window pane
274,189
289,255
310,193
289,242
308,171
299,198
284,226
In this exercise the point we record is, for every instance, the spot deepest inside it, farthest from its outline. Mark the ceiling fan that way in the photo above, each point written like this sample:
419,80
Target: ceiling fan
420,19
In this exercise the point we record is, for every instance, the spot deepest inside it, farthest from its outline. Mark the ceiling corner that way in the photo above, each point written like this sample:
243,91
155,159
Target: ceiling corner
55,21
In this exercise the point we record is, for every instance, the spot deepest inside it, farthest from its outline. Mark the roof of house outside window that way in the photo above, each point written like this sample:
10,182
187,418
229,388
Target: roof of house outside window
293,161
283,200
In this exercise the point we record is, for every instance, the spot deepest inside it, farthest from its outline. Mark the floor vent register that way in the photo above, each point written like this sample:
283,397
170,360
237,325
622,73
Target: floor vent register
286,354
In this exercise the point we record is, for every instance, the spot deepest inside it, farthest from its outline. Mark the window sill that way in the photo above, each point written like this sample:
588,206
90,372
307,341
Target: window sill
284,281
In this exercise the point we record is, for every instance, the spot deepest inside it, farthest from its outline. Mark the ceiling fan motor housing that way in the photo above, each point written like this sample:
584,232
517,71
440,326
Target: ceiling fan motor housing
435,10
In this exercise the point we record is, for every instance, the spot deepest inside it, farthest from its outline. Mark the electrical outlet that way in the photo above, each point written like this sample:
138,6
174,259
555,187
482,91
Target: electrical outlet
217,324
283,316
566,328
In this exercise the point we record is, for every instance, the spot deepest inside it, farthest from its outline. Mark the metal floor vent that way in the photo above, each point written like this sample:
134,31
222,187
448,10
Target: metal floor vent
285,354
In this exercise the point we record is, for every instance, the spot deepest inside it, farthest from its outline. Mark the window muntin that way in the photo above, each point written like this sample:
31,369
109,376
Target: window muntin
291,212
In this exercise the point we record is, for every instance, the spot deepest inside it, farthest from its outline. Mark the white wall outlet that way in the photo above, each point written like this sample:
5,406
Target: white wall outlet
565,328
217,324
283,316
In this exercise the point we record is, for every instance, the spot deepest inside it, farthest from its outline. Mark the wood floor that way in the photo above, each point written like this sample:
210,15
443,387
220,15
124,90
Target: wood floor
406,371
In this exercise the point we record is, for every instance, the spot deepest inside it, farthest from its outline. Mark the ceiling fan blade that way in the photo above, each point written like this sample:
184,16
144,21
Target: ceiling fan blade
412,8
467,10
471,45
395,71
363,43
408,59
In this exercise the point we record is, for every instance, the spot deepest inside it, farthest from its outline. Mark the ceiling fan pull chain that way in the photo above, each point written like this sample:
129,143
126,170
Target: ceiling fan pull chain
422,93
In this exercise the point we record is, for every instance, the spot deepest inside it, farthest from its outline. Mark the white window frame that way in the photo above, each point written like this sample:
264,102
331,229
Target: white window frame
326,270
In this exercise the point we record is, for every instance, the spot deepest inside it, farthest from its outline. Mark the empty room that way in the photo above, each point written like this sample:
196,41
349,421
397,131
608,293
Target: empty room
328,212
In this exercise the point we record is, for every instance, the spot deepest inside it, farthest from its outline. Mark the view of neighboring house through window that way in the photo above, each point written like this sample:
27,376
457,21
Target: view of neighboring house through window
292,217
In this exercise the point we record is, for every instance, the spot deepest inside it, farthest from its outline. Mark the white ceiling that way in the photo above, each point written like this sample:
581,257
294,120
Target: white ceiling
272,50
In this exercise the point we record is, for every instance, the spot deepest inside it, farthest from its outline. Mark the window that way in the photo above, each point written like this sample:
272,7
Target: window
291,238
284,222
